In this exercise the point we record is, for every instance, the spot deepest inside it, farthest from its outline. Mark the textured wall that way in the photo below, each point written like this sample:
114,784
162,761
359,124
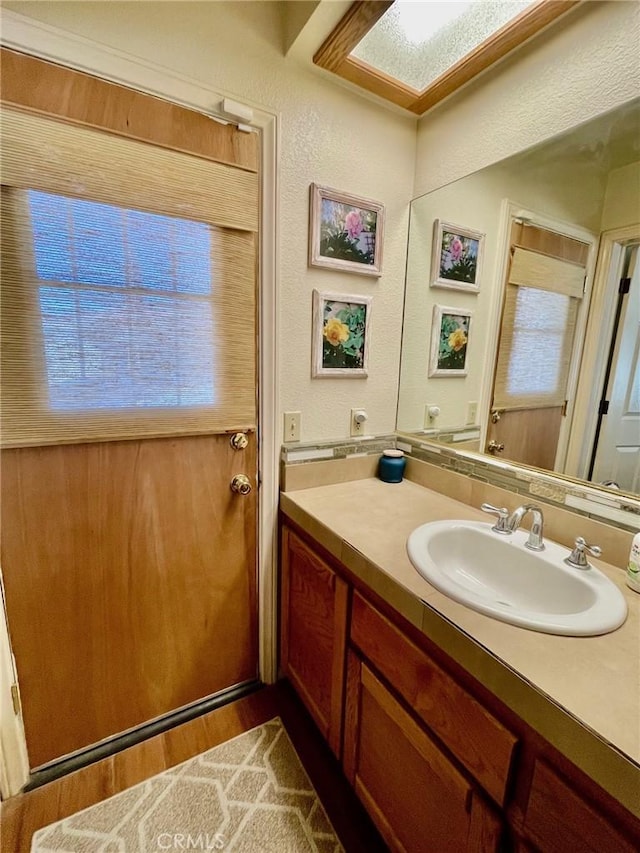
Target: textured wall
622,199
328,135
586,65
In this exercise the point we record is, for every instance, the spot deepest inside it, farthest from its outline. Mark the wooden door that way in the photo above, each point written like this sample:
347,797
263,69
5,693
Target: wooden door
130,582
527,436
530,434
129,565
417,798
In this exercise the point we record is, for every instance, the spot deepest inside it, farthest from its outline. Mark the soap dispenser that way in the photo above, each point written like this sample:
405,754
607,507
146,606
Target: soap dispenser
633,567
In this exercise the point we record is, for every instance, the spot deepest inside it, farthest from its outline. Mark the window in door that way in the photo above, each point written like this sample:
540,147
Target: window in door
128,300
124,300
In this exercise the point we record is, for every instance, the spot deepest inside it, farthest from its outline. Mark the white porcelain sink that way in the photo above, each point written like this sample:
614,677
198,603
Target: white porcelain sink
496,575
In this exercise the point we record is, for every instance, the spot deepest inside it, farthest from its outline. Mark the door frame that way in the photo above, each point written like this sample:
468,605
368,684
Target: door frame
511,211
599,328
80,54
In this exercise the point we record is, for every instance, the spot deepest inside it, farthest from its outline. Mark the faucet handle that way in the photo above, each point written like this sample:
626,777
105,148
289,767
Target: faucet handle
503,514
578,558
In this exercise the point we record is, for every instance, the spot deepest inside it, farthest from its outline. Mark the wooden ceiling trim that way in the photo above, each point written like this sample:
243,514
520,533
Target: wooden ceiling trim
351,29
497,46
378,82
333,55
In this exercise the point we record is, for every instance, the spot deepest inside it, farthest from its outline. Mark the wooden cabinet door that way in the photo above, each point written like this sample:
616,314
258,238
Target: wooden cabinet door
418,799
558,819
313,634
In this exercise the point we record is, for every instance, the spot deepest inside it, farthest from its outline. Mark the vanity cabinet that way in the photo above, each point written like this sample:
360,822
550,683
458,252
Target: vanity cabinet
313,633
416,796
438,762
465,727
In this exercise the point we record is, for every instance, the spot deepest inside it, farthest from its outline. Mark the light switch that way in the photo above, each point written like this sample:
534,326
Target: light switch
291,426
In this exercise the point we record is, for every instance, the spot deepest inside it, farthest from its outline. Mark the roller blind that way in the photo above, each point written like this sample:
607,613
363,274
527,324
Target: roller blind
538,328
128,288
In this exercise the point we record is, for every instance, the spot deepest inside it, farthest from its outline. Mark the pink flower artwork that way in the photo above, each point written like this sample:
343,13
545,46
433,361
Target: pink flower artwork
353,224
456,249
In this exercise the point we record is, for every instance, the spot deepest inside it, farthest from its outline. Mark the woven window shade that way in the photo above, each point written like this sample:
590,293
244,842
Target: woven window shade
128,288
538,328
544,272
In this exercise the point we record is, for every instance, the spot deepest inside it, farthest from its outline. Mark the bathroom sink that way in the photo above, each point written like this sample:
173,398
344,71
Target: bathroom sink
496,575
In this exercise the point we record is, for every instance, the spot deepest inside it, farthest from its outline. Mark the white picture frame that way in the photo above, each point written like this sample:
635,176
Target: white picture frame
345,232
456,258
450,336
340,335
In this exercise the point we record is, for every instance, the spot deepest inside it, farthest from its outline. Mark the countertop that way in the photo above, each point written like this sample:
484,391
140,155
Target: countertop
581,693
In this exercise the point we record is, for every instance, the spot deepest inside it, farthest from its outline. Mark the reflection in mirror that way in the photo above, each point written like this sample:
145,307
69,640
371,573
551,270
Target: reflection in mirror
552,376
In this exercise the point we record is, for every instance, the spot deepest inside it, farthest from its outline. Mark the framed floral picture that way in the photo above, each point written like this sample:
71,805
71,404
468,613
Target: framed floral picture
449,341
457,257
340,335
345,232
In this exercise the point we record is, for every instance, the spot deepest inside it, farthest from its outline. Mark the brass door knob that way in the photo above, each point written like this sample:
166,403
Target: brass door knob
494,447
239,441
241,484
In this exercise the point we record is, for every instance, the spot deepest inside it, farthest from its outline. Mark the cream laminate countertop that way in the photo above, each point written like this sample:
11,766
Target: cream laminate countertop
581,693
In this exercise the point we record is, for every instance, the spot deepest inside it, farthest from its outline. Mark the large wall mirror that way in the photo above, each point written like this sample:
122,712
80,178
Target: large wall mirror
521,336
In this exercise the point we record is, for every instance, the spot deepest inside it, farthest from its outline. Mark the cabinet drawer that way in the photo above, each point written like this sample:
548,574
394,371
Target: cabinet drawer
558,819
478,740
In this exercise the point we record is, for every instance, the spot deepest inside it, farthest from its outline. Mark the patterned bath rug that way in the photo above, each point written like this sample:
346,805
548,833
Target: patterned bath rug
248,795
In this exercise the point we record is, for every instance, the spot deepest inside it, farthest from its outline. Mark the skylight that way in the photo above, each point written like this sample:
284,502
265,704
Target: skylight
414,53
416,42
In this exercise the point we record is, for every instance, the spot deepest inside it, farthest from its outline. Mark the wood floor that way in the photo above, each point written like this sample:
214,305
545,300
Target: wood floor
23,814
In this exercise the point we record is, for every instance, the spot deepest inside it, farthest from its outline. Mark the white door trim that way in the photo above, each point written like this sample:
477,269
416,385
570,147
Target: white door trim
46,42
599,329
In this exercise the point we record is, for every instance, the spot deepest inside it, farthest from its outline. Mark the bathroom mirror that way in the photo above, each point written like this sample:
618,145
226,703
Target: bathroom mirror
481,253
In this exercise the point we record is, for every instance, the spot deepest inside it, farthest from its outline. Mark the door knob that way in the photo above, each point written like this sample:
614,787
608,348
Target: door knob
239,441
241,484
494,447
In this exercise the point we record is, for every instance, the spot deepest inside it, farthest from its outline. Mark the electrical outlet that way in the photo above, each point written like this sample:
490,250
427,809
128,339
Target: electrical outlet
431,412
291,426
358,420
472,412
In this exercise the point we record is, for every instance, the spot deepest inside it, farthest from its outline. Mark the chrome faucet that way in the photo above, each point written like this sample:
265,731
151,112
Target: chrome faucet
534,542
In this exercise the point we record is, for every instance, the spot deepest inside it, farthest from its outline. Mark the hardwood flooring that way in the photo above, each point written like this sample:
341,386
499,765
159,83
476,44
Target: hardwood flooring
23,814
